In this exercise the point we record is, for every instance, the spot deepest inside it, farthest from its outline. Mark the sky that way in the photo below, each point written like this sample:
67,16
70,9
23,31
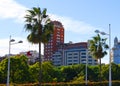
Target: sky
80,18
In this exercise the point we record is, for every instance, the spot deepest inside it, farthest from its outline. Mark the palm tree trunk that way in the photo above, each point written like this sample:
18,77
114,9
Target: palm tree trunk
40,65
100,73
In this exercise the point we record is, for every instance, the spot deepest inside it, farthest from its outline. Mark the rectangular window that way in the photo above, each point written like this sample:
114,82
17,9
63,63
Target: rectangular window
83,56
75,57
69,57
69,60
83,53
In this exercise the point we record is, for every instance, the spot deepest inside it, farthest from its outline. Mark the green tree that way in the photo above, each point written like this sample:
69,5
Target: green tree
48,71
115,71
40,28
93,73
98,48
19,72
34,72
3,70
105,72
19,69
70,72
79,73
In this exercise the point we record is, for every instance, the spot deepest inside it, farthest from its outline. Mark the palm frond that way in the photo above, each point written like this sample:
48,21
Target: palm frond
39,32
32,13
33,38
28,27
37,10
98,46
44,11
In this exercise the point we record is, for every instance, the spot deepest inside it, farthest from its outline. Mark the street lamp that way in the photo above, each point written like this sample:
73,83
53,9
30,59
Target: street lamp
10,43
86,73
109,34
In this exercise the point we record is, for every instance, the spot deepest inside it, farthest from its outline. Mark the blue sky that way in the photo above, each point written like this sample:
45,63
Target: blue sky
80,19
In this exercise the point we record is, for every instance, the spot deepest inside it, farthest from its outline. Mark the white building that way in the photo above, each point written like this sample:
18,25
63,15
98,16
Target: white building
73,53
33,56
116,51
57,58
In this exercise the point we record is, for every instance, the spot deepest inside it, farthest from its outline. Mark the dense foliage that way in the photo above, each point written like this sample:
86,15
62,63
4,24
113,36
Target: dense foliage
22,72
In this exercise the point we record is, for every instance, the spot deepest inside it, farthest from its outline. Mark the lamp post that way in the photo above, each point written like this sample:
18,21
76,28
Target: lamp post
8,71
109,34
86,81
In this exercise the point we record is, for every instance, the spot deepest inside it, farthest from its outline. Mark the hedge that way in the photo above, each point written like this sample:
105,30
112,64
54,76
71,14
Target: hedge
103,83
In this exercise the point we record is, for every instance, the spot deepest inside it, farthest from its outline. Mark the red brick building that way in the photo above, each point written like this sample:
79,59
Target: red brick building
56,39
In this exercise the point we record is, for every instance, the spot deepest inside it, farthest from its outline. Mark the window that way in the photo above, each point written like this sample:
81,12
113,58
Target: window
69,60
75,60
83,60
75,57
89,56
90,60
70,54
70,64
83,56
75,53
83,53
69,57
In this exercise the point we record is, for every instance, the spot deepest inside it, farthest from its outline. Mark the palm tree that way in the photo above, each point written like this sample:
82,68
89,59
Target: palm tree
40,28
98,48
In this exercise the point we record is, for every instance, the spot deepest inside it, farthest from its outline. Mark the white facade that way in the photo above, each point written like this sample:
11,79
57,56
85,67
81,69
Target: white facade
75,54
78,56
32,55
116,51
57,58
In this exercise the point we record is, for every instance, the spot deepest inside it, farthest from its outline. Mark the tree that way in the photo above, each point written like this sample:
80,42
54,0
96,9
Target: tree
48,71
34,72
98,48
105,72
40,28
115,71
3,70
93,73
71,71
19,70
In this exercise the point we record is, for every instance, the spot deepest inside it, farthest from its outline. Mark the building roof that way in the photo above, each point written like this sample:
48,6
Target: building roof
57,24
76,45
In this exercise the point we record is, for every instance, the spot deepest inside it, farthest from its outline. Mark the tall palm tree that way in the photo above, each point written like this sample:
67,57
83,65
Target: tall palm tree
40,28
97,48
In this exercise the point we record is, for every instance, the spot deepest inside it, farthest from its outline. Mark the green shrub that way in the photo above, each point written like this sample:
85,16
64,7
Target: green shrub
104,83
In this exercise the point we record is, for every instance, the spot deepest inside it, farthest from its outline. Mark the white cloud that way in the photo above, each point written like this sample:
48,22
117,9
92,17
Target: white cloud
16,48
11,9
74,25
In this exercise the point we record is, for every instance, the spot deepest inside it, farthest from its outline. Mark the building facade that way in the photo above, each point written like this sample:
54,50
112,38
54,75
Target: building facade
61,53
56,38
73,53
33,56
116,51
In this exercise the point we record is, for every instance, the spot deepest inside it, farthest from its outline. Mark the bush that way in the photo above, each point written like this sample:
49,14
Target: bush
104,83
